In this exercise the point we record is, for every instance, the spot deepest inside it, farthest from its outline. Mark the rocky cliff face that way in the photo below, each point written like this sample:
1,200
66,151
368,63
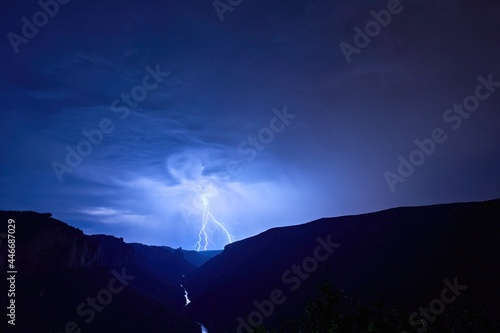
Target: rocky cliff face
112,251
45,244
60,269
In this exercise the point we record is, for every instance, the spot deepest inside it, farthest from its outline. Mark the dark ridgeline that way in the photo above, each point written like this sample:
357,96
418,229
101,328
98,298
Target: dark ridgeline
399,257
59,267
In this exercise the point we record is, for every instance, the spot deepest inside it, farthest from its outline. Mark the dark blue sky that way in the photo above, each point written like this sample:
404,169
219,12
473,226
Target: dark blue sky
260,117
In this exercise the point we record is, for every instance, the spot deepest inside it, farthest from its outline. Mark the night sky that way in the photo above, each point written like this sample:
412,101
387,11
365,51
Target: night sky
139,118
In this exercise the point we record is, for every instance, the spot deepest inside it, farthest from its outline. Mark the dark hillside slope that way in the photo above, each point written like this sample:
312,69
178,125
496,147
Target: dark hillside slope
399,256
60,269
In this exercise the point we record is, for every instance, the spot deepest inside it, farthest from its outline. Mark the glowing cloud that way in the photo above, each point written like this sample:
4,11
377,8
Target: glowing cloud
187,170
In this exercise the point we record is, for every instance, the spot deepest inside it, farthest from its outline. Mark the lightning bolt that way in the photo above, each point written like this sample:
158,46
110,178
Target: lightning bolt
207,217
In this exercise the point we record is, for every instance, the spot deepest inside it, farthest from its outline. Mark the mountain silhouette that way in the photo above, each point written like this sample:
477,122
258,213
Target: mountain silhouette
401,259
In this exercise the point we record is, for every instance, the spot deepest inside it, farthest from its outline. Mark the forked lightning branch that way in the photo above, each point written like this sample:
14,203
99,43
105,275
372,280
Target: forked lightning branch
207,218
